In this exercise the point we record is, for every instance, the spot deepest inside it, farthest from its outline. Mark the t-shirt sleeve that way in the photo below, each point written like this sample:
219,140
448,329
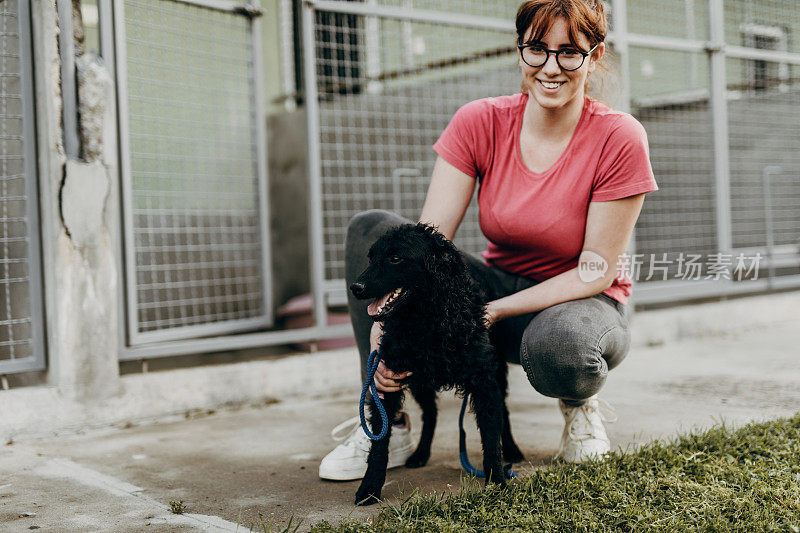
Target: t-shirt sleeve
465,142
624,169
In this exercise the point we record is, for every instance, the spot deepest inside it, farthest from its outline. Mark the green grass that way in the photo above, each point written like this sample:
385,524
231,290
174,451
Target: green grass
746,479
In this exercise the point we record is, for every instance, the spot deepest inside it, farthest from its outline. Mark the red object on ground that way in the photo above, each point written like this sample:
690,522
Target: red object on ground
298,313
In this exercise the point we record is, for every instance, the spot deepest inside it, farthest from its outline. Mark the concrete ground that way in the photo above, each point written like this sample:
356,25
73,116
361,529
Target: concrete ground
258,466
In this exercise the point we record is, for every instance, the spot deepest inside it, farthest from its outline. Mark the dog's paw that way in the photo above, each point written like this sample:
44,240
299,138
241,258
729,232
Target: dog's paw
512,454
499,482
497,476
368,495
418,459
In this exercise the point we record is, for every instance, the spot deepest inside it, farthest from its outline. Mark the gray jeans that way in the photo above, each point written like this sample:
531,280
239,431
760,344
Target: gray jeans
566,349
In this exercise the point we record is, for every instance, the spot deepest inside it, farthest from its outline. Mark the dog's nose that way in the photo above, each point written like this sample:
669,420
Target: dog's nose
357,289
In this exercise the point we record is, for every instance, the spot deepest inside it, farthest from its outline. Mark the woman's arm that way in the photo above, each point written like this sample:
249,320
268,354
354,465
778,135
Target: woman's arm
447,200
608,229
448,197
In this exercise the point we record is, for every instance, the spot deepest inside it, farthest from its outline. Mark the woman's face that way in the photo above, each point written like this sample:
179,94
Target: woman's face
564,85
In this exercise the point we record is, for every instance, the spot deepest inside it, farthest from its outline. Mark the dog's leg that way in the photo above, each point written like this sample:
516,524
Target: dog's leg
426,398
511,453
487,402
378,459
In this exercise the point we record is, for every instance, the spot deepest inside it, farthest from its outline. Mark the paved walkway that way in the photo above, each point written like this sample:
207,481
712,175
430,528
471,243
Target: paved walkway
230,467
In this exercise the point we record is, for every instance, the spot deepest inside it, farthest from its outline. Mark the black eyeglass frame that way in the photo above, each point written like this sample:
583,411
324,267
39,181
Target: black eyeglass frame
547,51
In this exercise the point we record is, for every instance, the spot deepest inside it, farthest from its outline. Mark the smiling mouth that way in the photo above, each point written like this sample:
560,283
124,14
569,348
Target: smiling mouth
383,306
551,85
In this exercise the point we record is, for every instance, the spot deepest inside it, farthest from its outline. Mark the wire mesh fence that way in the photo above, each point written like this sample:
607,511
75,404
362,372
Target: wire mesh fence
496,9
387,89
680,19
20,340
676,114
388,85
764,114
388,75
196,247
763,24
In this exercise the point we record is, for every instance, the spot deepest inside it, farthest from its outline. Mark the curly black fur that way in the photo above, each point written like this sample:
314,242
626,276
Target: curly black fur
436,329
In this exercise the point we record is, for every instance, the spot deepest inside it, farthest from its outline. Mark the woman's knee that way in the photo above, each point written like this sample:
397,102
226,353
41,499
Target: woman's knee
364,223
570,371
564,358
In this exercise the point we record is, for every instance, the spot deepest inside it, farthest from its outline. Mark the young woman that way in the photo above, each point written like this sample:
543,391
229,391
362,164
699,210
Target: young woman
562,179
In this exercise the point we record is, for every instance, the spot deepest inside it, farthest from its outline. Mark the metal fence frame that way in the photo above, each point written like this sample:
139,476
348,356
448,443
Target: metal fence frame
327,292
37,360
135,337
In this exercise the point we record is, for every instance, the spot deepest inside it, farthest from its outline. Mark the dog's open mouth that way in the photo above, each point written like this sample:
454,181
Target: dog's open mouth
384,305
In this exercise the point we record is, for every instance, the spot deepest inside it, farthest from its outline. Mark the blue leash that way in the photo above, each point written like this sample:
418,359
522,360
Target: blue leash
372,366
369,384
462,449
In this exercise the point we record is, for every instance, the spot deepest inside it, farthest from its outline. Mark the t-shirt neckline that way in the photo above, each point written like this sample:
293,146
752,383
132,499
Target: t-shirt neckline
518,135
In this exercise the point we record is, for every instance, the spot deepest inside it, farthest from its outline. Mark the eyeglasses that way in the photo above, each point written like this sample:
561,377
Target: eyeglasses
536,55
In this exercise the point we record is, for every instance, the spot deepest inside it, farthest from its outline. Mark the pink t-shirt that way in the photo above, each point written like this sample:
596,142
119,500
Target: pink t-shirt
536,222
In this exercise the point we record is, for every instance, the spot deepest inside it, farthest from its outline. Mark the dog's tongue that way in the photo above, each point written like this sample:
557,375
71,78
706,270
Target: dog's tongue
372,309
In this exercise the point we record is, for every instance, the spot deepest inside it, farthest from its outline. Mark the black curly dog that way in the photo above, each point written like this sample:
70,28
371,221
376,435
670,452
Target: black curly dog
433,320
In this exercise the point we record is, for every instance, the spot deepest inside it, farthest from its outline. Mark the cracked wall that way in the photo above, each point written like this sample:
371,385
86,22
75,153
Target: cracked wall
79,215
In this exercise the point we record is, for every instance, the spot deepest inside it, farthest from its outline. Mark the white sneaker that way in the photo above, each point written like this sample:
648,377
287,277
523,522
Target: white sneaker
348,460
584,435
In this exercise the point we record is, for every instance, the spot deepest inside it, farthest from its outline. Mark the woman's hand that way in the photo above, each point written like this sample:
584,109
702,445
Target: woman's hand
490,314
385,379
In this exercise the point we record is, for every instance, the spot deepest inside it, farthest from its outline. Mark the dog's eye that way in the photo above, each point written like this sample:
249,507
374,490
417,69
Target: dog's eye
394,259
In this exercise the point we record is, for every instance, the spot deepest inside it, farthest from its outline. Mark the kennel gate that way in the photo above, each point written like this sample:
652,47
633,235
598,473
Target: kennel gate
193,162
21,311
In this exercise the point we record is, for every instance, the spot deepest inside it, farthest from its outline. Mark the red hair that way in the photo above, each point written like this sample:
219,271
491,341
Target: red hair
587,17
582,16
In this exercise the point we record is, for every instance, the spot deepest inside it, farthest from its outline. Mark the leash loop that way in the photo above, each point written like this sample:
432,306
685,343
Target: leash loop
369,384
462,449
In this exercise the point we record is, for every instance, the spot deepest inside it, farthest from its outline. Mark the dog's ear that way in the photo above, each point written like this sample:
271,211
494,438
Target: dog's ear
443,259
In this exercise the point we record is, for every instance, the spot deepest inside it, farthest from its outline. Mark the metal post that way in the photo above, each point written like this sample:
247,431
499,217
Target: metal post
123,147
69,89
287,56
621,44
688,12
32,189
260,118
768,222
316,241
719,114
106,26
372,51
408,37
397,189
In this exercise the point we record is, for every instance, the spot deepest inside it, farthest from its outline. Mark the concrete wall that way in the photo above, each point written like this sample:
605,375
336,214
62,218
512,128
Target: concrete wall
78,219
288,192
